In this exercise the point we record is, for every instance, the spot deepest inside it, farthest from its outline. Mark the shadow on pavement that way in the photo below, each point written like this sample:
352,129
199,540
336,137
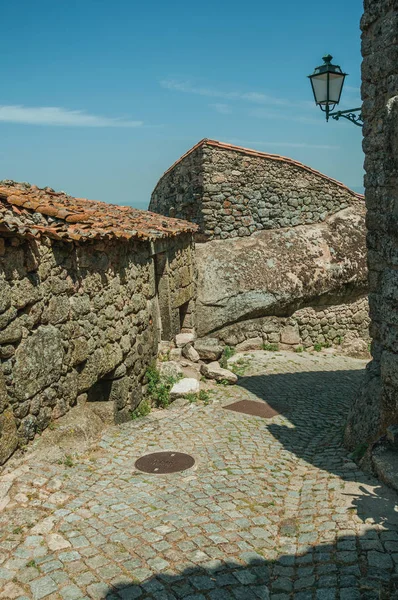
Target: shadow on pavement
352,569
316,405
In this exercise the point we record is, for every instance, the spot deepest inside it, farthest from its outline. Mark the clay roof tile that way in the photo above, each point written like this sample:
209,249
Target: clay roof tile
79,218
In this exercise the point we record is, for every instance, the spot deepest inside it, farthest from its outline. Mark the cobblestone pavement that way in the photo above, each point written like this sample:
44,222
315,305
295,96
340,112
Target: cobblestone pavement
271,509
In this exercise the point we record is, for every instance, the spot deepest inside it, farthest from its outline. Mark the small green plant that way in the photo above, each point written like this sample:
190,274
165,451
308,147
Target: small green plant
223,382
339,340
68,461
239,367
192,397
319,346
142,410
204,396
359,452
17,530
228,352
32,563
271,347
159,387
299,349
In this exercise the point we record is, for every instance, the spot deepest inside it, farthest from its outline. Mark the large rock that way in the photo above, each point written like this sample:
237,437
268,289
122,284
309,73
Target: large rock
38,361
184,387
208,348
214,371
275,271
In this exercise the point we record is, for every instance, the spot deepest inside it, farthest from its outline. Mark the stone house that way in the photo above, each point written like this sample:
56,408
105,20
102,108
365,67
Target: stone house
280,250
87,290
232,192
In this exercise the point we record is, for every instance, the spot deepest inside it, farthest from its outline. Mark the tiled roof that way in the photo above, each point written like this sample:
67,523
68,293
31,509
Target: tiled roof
31,211
250,152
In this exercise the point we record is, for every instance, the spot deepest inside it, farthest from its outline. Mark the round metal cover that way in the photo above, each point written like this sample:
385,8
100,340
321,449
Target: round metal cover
164,462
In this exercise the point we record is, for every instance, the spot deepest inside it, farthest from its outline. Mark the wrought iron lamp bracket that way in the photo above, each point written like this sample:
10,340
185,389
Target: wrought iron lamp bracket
354,115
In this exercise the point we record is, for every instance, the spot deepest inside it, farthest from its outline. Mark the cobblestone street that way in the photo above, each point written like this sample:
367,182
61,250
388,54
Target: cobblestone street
273,508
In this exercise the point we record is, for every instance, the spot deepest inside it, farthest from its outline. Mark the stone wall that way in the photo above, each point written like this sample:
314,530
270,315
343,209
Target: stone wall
232,192
376,407
309,327
79,322
179,192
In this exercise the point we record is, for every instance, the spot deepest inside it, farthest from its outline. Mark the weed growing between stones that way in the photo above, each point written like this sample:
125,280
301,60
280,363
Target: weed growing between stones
271,347
159,387
228,352
239,367
299,349
319,347
142,410
359,452
192,397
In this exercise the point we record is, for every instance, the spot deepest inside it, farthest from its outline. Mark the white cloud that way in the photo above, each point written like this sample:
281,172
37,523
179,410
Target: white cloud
253,97
266,113
61,117
250,144
223,109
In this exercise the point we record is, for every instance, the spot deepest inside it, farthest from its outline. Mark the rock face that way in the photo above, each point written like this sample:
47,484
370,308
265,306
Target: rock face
214,371
272,274
376,407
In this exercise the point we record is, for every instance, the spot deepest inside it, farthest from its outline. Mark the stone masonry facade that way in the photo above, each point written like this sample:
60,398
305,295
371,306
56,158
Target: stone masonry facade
337,325
233,192
80,320
376,407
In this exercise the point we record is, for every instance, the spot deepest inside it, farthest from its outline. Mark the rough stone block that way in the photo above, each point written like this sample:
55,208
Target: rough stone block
290,335
250,344
214,371
182,339
208,348
185,386
8,435
170,369
190,353
38,361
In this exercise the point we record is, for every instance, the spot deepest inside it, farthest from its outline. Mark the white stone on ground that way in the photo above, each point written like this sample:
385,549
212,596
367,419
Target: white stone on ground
185,386
214,371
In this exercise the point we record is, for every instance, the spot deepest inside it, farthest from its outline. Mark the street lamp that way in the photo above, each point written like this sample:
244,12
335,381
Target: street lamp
327,84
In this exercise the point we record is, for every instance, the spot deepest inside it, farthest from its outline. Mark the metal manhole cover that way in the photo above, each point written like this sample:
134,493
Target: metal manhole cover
256,409
164,462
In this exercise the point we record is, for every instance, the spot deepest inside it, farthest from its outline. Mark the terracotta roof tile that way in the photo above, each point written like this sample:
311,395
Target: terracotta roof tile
31,211
251,152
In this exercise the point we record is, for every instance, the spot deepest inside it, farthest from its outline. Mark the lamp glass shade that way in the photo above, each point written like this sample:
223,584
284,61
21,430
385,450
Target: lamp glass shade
327,87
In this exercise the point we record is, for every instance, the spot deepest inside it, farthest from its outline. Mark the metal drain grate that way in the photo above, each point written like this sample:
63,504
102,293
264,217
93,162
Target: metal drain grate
164,462
256,409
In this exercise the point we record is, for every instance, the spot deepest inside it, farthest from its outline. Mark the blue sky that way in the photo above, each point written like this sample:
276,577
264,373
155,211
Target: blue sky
99,97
